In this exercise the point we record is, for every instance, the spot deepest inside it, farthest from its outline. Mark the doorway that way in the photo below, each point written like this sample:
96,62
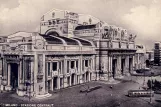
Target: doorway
73,79
130,64
55,83
122,66
87,76
14,75
114,65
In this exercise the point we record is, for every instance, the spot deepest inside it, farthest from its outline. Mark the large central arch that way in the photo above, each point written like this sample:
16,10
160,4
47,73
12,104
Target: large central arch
53,32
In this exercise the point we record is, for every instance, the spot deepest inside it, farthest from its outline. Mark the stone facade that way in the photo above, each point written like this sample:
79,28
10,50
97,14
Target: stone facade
65,53
31,67
140,57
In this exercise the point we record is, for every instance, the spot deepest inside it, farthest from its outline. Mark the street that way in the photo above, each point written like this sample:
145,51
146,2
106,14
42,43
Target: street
109,95
103,97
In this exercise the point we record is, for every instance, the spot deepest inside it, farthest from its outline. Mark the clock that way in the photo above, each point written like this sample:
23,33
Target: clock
39,44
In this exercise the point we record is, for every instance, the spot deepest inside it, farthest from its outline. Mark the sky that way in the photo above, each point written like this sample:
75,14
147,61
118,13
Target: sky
140,17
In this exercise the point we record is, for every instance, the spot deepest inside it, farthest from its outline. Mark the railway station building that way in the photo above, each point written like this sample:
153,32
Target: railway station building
70,49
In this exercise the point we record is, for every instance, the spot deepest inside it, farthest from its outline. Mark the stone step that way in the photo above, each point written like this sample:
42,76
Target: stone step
43,96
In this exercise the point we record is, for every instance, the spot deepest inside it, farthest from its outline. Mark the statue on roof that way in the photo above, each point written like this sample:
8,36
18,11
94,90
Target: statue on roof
132,37
122,34
90,21
107,33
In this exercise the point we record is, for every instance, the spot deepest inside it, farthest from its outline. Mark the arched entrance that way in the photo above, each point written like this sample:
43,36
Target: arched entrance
14,75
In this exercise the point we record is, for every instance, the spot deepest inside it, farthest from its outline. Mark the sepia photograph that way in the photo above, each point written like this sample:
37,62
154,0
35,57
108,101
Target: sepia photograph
80,53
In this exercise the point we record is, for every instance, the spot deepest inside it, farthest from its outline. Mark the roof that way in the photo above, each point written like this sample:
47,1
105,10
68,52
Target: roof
84,42
20,34
85,27
52,40
69,41
59,40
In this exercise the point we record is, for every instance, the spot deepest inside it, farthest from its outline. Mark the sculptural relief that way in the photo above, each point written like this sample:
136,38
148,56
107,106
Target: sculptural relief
131,38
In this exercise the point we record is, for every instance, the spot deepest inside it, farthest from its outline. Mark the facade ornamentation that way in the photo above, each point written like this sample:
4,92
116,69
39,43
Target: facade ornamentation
63,53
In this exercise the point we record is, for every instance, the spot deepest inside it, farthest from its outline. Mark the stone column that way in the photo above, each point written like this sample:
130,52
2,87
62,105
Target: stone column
32,75
9,74
93,75
109,63
23,74
97,62
19,79
104,67
89,76
36,90
4,69
118,69
20,71
138,61
110,66
46,86
133,63
1,67
58,82
51,84
51,73
70,81
78,80
127,64
43,83
65,72
81,70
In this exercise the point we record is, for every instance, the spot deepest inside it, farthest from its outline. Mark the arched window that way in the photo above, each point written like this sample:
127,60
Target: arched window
54,22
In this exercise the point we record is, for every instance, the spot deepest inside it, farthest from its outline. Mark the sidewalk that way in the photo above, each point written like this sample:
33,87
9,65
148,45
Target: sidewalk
31,99
111,81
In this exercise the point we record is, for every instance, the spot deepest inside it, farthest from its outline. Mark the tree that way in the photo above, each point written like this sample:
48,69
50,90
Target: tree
149,83
156,84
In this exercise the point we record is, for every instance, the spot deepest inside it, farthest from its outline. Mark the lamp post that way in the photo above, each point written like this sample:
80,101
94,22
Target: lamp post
0,83
144,79
151,89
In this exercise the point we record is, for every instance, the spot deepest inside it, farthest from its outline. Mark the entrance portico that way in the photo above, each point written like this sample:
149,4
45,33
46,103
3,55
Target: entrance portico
120,64
12,72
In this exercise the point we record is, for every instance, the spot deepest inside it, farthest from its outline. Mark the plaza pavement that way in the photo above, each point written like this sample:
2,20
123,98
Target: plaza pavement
103,97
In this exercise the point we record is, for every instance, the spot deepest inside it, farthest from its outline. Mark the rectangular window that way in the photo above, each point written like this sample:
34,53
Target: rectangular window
29,47
54,66
83,65
60,67
77,65
67,66
48,68
86,63
72,64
